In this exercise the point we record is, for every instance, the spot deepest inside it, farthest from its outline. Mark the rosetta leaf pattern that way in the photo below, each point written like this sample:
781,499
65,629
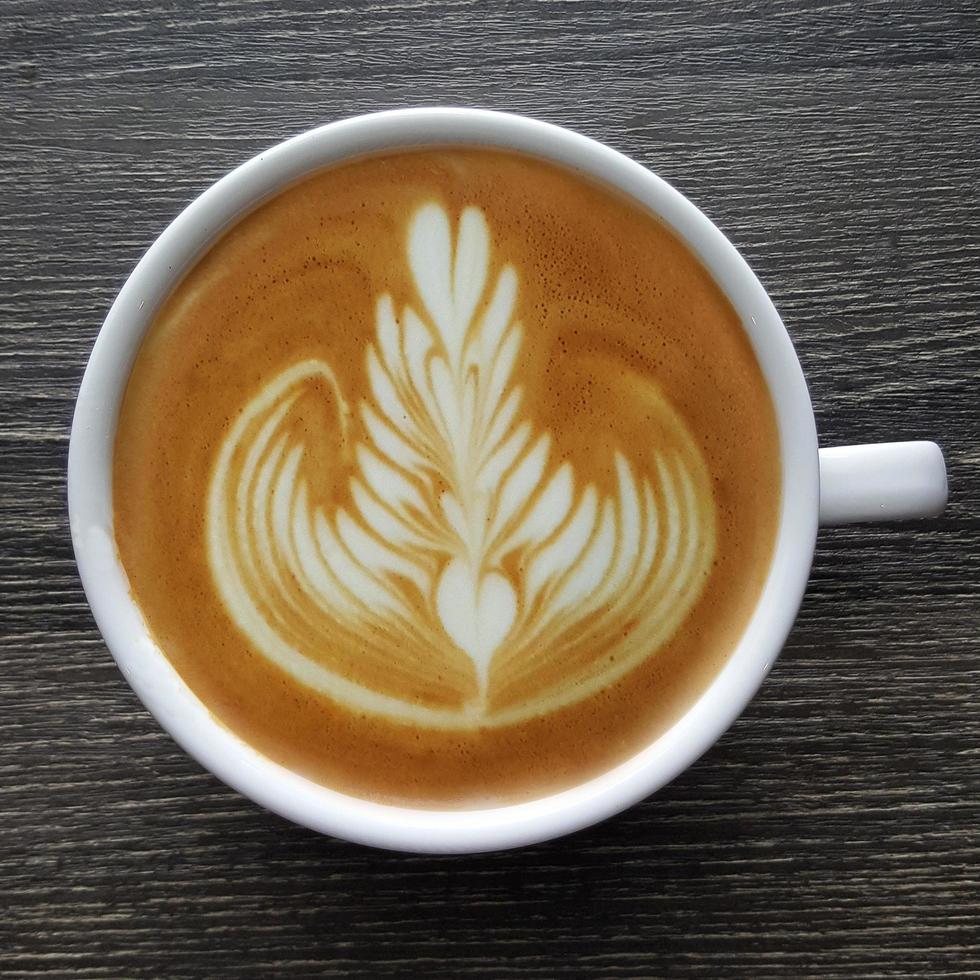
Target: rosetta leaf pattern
405,601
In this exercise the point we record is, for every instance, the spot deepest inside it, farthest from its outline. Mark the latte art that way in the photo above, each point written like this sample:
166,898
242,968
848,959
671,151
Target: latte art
469,577
447,477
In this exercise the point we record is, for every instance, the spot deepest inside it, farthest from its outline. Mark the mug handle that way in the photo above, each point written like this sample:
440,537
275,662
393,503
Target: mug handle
888,481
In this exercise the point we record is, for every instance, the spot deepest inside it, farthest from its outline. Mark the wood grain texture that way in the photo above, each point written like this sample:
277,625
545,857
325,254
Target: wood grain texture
833,832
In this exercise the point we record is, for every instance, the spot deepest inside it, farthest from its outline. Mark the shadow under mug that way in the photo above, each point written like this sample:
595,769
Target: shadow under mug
830,486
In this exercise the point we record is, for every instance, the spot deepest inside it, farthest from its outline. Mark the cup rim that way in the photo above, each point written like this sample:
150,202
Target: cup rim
188,720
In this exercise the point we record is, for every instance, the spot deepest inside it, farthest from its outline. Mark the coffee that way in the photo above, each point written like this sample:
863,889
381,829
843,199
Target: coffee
447,477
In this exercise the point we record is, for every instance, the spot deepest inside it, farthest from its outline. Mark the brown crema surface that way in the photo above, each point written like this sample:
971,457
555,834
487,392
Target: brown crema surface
612,305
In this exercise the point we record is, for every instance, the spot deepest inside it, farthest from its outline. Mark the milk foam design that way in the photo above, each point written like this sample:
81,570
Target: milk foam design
469,576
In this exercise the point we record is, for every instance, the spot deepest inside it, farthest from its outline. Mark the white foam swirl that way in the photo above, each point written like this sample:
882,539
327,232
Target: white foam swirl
469,578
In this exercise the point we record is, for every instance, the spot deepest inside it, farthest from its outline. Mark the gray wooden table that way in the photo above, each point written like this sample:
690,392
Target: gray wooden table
833,832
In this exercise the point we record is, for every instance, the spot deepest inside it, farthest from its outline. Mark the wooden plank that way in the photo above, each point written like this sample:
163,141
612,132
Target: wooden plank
833,831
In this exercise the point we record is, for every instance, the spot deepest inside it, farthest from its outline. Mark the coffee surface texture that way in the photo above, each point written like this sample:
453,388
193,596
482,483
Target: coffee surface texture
447,478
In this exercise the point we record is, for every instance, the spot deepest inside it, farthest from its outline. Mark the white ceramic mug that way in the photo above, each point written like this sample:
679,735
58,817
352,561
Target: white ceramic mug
881,482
